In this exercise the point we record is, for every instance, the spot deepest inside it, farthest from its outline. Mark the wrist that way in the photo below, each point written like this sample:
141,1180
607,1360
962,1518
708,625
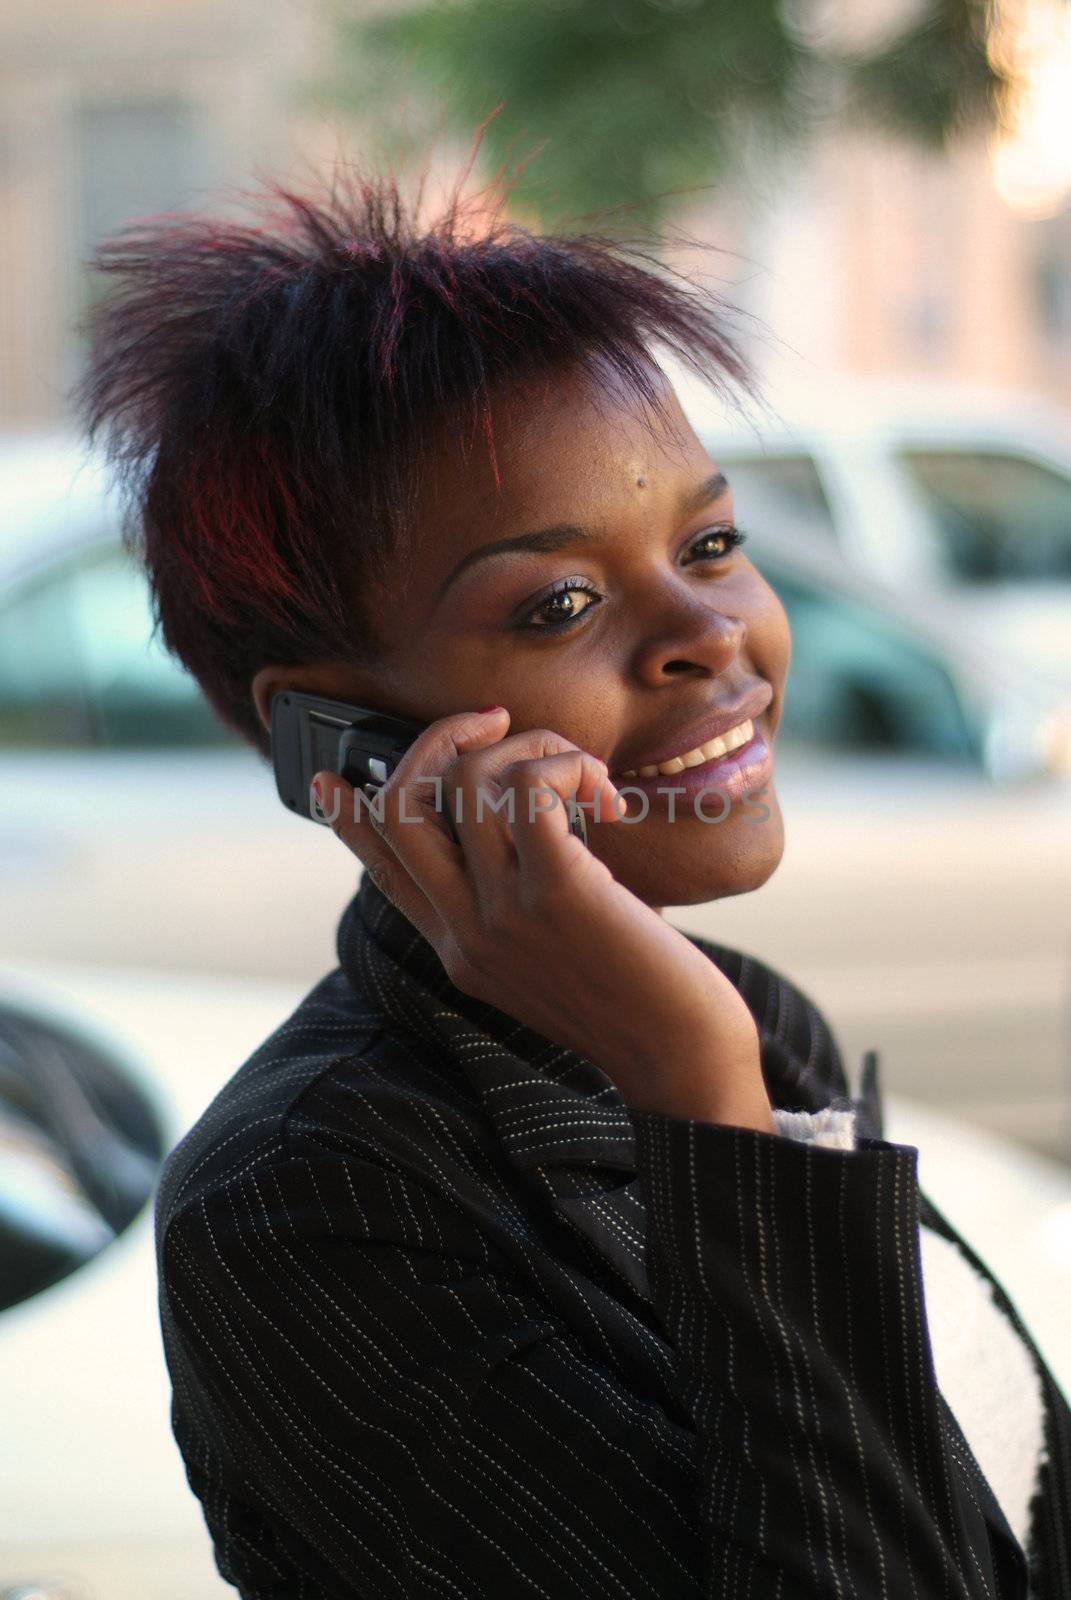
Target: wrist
700,1079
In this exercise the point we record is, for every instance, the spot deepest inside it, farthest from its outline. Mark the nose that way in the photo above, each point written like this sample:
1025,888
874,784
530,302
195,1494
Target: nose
691,636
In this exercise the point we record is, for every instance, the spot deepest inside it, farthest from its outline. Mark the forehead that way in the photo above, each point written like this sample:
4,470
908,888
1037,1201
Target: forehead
563,447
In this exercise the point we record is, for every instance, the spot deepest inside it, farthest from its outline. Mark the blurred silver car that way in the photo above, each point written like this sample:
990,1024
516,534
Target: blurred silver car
949,491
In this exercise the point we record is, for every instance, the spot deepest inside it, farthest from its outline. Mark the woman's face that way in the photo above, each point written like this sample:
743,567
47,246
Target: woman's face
665,633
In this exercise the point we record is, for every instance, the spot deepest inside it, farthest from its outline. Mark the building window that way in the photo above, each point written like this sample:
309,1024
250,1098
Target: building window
132,158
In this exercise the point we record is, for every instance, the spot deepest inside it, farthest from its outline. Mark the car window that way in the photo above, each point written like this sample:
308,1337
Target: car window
79,665
997,517
80,1150
784,492
858,682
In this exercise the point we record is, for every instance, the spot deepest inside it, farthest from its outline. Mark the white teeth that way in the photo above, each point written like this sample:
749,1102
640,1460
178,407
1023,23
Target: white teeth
732,740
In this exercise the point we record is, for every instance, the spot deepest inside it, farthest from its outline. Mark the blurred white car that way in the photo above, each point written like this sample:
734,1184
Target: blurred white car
95,1500
933,490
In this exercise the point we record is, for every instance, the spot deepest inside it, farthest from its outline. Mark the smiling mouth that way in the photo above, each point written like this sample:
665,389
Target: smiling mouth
732,739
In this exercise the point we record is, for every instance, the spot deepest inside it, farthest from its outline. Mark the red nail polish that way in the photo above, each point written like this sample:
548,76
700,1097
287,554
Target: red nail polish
488,708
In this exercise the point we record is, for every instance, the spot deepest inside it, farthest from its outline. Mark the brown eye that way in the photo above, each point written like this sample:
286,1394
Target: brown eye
568,602
728,537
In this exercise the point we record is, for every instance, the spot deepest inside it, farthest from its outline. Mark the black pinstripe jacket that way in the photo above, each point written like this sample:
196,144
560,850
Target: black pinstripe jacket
443,1318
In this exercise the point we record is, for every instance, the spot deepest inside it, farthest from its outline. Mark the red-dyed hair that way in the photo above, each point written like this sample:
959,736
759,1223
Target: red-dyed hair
264,392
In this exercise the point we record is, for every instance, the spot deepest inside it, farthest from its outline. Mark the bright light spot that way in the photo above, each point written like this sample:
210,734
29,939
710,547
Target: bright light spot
1031,155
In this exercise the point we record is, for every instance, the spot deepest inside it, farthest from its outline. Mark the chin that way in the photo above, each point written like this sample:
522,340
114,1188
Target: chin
738,875
752,875
691,863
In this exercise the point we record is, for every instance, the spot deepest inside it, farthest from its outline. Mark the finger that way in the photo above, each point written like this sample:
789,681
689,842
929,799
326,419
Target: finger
413,822
484,802
490,774
545,844
355,824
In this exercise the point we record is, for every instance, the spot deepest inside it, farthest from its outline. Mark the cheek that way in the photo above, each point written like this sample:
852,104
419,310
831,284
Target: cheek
586,700
583,704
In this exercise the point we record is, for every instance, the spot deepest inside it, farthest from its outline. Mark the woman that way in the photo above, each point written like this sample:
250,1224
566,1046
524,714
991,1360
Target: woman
543,1250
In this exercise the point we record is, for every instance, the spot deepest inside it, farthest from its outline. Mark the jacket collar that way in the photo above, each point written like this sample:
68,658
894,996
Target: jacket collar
550,1106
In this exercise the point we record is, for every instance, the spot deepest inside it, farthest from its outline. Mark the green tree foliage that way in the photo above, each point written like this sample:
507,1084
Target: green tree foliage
629,100
933,78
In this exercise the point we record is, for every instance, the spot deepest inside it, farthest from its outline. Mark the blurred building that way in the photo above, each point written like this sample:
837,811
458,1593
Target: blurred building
884,259
881,258
859,254
111,109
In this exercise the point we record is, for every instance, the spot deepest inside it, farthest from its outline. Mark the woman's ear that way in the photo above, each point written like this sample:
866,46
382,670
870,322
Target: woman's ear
335,680
266,683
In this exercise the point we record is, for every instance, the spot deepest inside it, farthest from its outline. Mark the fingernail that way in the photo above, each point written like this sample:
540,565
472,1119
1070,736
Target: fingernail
489,708
317,789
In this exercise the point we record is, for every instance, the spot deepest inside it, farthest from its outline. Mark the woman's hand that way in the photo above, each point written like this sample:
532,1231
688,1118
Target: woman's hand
524,916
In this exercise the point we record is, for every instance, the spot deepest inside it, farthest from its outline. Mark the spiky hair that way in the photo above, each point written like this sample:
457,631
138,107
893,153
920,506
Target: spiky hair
265,391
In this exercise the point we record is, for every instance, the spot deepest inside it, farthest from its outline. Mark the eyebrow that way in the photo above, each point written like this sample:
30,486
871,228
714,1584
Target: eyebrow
565,535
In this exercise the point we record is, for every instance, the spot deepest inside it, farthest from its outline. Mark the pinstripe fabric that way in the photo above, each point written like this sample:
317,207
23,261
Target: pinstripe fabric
443,1318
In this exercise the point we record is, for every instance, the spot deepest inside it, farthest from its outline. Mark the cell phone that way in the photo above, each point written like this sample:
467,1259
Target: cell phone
310,734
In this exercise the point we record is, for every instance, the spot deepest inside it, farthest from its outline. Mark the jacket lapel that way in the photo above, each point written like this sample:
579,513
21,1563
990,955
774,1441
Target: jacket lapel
558,1117
563,1123
564,1126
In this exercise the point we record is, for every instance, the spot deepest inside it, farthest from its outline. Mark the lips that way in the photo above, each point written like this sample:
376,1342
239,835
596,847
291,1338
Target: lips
717,721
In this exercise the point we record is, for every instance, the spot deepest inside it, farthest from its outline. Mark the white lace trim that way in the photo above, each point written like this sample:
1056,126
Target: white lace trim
833,1128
